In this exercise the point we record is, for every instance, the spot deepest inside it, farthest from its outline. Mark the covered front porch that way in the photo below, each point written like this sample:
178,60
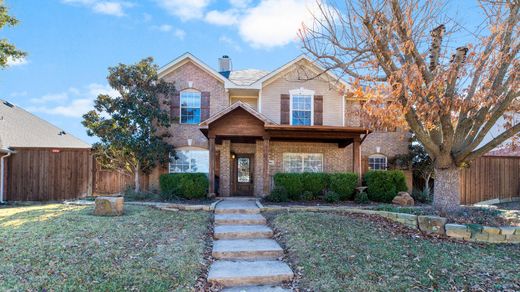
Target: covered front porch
246,149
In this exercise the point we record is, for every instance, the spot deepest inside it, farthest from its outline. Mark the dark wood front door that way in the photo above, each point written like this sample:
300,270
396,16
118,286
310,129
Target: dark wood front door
243,178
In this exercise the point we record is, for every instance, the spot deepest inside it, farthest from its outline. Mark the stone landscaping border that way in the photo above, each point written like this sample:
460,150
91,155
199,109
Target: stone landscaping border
160,205
426,224
496,201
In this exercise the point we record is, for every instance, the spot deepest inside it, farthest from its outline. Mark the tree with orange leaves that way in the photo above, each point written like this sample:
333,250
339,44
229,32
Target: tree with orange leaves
400,59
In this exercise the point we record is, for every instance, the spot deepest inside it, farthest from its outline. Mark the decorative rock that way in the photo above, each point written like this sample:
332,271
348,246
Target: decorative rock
457,231
432,224
409,220
496,238
403,199
506,230
109,206
513,238
490,230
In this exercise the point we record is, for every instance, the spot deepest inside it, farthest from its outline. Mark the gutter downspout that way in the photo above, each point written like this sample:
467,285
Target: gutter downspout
2,167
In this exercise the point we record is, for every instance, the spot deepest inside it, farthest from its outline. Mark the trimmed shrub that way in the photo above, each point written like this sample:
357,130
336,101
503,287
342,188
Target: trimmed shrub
278,194
316,183
183,185
344,184
292,182
383,186
331,197
307,196
361,198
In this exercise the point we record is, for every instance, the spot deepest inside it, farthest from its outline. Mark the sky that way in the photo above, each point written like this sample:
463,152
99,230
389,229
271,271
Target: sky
71,43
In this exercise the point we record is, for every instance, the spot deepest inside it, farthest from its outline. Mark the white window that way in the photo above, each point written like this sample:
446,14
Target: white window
190,107
302,107
303,162
377,162
190,161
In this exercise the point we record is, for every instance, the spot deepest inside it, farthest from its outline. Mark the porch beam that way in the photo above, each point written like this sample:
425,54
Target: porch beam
211,192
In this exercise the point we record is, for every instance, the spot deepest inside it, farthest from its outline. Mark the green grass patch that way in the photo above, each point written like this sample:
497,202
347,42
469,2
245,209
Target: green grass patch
65,248
348,253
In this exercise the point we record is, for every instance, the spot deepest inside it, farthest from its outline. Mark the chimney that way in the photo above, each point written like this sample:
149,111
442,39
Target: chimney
224,64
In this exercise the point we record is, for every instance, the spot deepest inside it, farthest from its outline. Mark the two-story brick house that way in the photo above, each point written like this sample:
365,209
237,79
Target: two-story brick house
241,127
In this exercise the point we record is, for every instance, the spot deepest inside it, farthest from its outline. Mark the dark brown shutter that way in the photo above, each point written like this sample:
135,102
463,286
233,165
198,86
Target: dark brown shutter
175,107
285,109
318,110
204,106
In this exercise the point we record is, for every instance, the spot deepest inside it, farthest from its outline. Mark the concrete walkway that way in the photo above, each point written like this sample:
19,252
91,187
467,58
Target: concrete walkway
247,256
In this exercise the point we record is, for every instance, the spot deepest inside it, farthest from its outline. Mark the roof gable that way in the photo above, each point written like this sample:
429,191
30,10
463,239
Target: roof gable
231,108
183,59
302,59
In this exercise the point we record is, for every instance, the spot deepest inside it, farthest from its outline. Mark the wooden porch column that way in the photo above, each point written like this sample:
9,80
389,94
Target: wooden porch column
267,180
356,161
211,178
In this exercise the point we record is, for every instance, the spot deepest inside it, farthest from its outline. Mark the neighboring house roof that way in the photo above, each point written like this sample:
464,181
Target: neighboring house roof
505,151
234,106
248,78
19,128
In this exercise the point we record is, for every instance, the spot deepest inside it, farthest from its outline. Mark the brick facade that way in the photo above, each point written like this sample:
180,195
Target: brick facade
337,111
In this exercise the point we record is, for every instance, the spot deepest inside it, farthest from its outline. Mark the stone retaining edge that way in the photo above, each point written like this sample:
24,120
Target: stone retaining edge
425,224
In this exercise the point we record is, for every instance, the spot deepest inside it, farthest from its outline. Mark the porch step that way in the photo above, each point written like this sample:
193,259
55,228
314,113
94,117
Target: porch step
242,231
243,273
246,249
256,289
237,207
240,219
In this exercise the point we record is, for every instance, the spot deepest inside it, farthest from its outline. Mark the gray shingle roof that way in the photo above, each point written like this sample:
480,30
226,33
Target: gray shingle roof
247,76
19,128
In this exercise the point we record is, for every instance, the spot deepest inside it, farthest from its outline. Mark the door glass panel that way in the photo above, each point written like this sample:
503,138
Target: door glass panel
243,170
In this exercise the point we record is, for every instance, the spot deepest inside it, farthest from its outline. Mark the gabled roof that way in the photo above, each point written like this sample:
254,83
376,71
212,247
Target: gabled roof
244,79
19,128
234,106
294,61
176,63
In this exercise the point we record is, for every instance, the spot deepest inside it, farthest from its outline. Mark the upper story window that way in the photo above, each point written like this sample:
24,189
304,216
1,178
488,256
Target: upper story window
377,162
302,107
190,107
302,162
190,161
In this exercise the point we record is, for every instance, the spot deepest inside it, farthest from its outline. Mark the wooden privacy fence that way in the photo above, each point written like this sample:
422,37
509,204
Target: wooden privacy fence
490,177
112,181
44,174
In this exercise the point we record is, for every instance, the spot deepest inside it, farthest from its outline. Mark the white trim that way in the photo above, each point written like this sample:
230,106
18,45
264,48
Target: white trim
260,100
343,110
2,170
378,155
304,92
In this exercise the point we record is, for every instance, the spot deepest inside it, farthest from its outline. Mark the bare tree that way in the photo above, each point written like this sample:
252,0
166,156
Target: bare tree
399,55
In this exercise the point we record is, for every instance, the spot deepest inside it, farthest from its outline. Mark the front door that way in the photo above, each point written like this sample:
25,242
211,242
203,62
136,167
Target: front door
243,175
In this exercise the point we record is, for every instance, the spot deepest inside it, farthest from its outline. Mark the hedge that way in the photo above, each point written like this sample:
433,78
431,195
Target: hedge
317,184
383,186
184,185
291,182
344,184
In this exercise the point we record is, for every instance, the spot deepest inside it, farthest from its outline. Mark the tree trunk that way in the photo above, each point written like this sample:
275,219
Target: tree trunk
446,189
136,178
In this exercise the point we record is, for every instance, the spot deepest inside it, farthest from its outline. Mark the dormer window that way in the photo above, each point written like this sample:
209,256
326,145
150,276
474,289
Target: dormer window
190,107
302,107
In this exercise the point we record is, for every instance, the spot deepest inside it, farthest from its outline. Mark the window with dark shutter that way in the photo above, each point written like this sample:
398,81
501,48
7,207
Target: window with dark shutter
204,106
285,109
318,110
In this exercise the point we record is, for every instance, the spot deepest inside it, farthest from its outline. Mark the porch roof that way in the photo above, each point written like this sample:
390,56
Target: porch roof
240,123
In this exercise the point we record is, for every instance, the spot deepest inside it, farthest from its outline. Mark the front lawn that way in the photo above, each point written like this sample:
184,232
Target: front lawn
65,248
365,253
